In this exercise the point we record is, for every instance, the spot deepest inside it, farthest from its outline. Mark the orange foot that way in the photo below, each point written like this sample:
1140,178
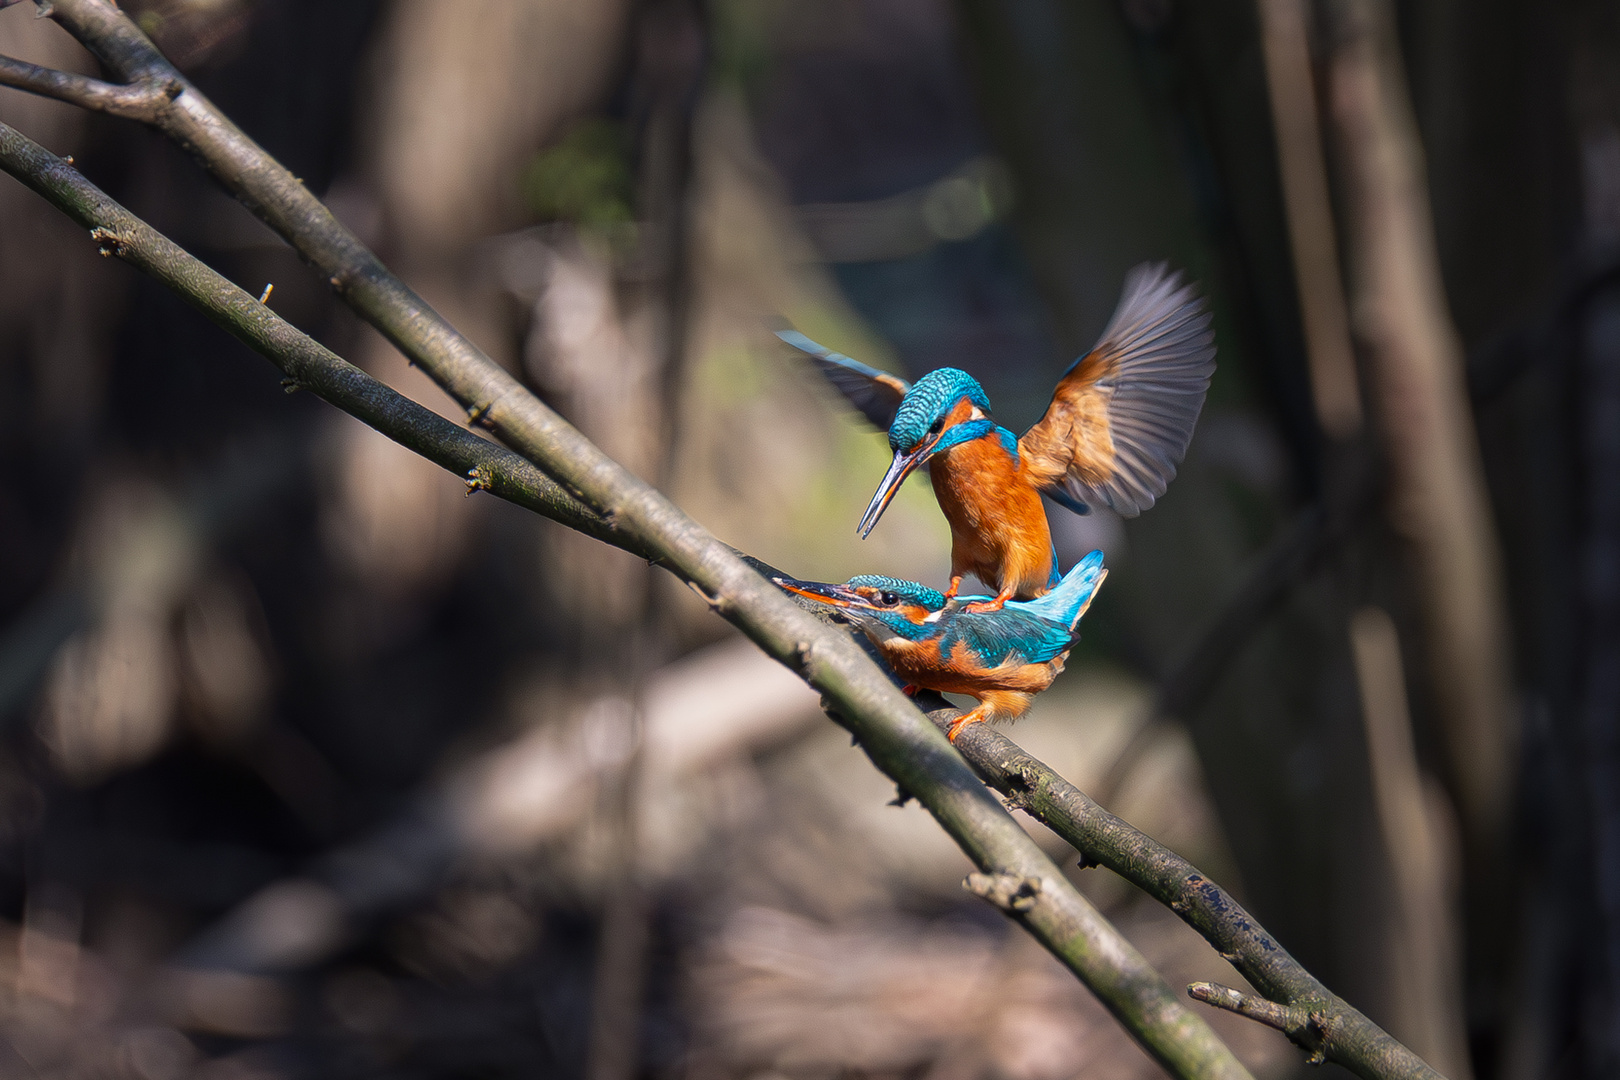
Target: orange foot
910,689
975,717
956,583
979,607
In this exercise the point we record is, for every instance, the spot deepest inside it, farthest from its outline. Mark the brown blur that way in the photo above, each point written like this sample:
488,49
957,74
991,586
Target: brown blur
315,765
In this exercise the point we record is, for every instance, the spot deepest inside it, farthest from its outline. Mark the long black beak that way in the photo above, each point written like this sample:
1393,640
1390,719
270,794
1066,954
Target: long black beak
904,462
836,595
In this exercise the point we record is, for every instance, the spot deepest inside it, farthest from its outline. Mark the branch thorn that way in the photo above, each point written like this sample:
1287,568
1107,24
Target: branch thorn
479,413
269,287
714,602
291,386
478,479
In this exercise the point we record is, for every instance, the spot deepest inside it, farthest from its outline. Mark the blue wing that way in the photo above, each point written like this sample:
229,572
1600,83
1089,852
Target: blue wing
1009,634
875,393
1034,630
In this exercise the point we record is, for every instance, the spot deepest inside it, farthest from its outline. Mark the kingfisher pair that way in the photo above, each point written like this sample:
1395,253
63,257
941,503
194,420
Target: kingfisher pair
1118,424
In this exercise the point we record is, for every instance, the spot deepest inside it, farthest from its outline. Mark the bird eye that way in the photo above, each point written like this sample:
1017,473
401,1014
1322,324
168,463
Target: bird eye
888,599
937,426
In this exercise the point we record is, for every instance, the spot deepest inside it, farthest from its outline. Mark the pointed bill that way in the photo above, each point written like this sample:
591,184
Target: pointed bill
820,591
899,469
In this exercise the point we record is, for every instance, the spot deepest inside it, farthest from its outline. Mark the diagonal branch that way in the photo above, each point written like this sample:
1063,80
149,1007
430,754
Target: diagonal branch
899,740
1337,1030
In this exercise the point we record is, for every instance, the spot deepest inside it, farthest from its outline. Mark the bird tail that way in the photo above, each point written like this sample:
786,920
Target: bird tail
1070,598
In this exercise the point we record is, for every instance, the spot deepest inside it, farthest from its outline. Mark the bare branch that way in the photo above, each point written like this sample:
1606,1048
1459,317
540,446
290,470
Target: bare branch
1346,1036
893,733
137,101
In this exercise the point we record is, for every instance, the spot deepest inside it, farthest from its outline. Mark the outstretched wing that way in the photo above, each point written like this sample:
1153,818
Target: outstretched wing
875,393
1122,416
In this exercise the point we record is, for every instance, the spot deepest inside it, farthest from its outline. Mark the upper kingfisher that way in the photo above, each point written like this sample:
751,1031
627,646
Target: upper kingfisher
1119,422
1002,656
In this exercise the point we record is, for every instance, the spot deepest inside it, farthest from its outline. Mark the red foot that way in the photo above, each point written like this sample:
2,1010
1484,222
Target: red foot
910,690
956,583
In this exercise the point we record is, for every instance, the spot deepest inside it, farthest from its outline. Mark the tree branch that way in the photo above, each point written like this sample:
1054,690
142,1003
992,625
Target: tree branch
1300,1026
1342,1033
889,728
137,101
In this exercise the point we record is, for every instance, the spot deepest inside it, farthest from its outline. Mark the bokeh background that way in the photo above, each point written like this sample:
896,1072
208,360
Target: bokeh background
314,766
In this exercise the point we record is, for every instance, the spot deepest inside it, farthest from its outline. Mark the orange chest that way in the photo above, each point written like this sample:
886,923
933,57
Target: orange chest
982,490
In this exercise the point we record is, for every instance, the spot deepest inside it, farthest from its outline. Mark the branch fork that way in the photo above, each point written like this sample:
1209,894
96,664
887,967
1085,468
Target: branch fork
1306,1028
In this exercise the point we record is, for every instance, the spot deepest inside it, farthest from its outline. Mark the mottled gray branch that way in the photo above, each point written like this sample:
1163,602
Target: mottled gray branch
628,513
1336,1029
137,101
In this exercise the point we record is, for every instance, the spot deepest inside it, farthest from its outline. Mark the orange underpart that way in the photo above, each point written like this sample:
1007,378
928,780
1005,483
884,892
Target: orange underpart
998,523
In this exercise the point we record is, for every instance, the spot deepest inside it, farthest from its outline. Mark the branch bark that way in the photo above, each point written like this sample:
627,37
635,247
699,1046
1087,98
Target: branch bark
893,733
1337,1030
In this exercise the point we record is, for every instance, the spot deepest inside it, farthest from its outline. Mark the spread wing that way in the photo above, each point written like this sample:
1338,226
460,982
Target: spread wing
1122,416
875,393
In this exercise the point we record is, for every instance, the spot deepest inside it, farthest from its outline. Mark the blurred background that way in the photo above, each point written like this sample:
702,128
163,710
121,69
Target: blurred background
313,765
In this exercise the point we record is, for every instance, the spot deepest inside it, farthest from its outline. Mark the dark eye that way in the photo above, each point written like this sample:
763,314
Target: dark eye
937,426
888,599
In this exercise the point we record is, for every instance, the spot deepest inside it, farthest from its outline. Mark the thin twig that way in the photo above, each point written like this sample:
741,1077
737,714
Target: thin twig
897,738
1300,1026
1346,1036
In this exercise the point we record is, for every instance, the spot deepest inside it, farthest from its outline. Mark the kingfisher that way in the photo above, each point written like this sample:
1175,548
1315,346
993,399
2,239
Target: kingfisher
1002,657
1117,426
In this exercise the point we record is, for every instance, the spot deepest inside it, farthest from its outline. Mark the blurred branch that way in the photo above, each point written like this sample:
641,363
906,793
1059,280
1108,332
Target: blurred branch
214,505
1309,207
1425,964
1345,1035
1438,500
897,738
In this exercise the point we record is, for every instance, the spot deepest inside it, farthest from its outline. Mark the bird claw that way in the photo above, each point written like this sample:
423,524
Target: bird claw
974,717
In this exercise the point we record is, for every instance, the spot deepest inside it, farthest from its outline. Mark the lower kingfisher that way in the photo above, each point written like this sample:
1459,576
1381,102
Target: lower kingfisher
1119,422
1002,656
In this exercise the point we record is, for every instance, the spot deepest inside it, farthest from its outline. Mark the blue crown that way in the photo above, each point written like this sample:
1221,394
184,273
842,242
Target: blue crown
935,394
909,591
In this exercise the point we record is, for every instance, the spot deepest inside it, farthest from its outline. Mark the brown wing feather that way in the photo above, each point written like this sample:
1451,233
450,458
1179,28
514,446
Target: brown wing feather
1121,418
